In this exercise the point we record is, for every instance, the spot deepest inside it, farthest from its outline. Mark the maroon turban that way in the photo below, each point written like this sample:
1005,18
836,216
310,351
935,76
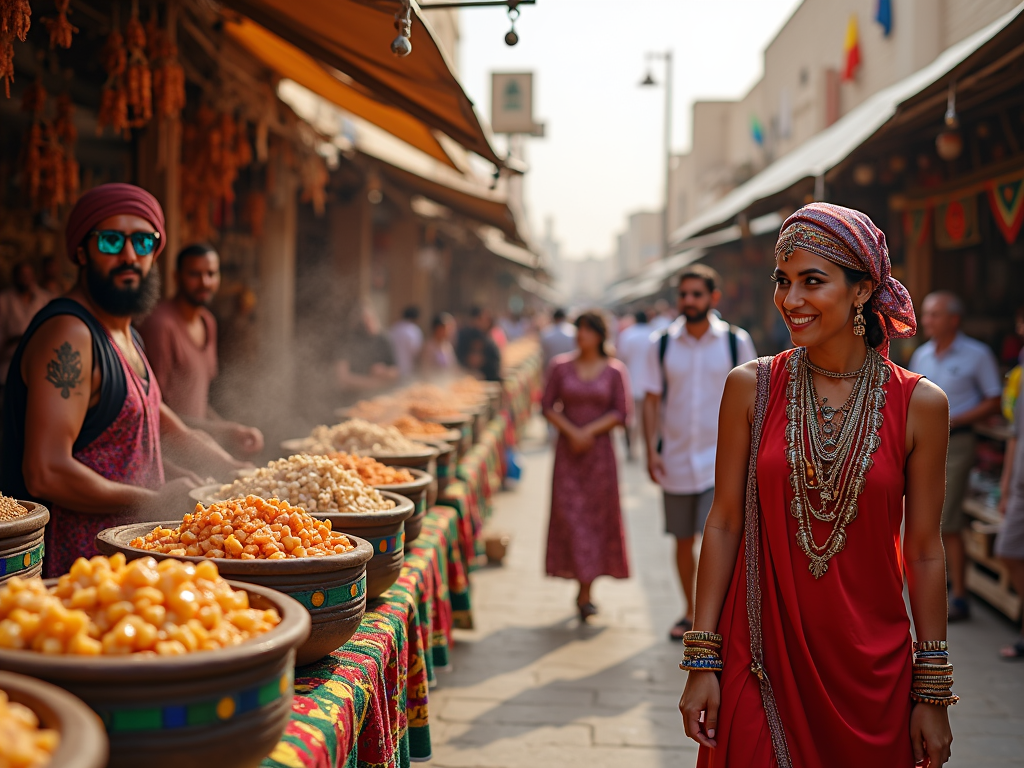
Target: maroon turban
850,239
108,200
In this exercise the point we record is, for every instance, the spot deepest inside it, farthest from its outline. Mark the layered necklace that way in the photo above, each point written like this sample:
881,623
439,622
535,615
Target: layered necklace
828,459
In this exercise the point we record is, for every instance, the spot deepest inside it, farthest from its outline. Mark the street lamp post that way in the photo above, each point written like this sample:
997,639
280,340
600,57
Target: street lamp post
649,81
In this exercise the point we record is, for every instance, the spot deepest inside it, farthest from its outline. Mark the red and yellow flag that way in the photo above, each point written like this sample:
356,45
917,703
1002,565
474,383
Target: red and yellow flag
851,49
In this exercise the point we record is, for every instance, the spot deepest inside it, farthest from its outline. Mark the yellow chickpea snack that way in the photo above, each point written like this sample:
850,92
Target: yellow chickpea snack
107,606
23,744
252,528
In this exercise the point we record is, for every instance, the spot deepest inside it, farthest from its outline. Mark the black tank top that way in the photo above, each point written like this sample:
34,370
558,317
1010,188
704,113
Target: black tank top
113,390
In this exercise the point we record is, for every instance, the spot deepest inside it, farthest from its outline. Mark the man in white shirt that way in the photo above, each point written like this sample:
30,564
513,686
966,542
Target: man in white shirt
558,338
633,344
683,381
407,341
967,371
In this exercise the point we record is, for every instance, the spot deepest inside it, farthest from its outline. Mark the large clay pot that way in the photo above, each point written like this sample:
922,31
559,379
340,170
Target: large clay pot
21,543
226,708
333,588
385,531
83,742
417,493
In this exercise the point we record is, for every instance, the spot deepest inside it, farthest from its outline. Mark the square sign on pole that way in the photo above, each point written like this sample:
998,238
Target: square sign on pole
512,103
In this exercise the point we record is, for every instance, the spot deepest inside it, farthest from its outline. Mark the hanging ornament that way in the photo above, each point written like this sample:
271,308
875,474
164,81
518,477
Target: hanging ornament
401,46
511,37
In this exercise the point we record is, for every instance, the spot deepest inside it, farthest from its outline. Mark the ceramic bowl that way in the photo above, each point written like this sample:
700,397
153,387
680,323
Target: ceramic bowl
21,542
417,493
464,425
385,531
210,709
333,589
83,741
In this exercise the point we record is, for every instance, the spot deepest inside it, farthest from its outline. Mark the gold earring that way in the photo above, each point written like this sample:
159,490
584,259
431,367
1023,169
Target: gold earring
860,326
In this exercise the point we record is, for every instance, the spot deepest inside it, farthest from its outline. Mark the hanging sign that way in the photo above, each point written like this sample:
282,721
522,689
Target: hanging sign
512,103
915,225
1006,200
956,223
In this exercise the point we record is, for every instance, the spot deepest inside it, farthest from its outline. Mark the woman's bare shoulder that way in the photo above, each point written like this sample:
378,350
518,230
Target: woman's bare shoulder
928,402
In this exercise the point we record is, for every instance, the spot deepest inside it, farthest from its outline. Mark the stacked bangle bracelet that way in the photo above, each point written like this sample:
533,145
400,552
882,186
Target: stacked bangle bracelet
932,681
702,652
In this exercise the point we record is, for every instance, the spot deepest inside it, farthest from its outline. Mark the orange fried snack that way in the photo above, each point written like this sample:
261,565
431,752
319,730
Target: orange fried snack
371,471
410,425
106,606
248,529
23,743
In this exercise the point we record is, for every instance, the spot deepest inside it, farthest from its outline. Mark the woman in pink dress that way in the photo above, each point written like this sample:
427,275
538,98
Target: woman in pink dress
585,399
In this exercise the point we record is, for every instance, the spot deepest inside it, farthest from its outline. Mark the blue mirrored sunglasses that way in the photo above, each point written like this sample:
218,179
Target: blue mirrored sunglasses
111,241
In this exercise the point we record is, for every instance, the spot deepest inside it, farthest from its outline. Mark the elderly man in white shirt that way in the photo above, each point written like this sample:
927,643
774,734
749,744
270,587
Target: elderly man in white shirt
406,341
632,350
967,371
683,381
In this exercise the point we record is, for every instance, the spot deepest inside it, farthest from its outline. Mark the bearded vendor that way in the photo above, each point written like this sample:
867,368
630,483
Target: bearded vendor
83,415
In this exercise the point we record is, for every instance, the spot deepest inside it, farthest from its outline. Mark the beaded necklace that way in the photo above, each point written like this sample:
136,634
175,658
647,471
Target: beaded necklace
830,459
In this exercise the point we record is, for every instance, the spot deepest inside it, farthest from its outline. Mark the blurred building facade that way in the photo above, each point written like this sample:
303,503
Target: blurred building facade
802,90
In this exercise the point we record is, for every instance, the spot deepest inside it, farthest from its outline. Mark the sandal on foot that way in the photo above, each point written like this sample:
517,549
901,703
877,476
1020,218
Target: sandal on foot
676,633
586,611
1013,652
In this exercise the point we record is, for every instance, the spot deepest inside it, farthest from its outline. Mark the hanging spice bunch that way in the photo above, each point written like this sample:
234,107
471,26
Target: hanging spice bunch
139,78
168,74
59,27
50,175
15,20
113,111
214,148
314,176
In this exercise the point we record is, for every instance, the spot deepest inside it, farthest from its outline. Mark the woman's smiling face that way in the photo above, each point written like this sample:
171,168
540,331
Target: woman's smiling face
814,298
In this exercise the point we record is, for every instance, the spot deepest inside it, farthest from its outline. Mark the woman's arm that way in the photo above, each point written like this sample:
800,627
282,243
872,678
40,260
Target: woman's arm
721,543
619,412
925,560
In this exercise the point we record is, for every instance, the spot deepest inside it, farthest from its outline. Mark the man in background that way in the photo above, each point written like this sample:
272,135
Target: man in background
966,370
407,341
661,316
683,381
558,338
18,305
477,347
181,343
634,343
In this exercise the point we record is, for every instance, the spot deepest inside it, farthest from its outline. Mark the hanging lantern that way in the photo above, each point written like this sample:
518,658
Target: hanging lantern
949,145
863,174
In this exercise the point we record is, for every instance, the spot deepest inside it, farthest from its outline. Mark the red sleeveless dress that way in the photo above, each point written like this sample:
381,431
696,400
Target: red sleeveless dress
128,452
836,649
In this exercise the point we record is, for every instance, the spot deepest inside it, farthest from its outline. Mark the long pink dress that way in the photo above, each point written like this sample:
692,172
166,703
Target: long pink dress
585,535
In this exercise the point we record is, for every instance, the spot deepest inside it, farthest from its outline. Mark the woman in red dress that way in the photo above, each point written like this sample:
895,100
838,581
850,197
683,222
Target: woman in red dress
585,399
816,660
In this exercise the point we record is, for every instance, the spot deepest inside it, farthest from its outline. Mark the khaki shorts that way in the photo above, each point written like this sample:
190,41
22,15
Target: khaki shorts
686,513
959,461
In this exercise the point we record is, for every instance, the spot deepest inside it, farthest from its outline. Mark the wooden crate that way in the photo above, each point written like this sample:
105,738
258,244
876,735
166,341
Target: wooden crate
987,577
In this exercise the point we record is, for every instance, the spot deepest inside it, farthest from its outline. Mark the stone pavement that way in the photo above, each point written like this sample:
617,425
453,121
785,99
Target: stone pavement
531,688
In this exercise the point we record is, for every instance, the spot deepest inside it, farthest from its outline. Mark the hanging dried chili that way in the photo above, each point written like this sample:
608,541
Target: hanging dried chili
59,27
15,20
138,77
113,111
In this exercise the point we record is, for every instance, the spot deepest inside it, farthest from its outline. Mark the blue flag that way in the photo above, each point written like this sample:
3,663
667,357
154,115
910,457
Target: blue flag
884,15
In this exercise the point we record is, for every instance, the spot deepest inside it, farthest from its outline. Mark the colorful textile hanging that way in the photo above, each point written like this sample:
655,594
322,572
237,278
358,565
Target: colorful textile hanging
956,223
756,131
883,15
1006,199
851,49
915,225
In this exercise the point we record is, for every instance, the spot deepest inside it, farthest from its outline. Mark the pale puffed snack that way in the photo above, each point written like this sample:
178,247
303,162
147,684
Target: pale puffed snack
411,426
252,528
23,743
359,436
311,481
371,471
107,606
10,509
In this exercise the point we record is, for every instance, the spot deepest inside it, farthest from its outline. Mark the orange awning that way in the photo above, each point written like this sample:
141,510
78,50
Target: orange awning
288,61
354,37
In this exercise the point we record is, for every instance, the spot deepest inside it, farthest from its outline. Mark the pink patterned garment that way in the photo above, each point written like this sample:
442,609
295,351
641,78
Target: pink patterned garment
585,534
127,452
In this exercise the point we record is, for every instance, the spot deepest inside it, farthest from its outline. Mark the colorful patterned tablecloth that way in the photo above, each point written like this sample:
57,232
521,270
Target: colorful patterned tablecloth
366,705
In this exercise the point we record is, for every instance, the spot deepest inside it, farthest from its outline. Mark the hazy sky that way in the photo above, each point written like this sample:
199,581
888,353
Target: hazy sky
602,156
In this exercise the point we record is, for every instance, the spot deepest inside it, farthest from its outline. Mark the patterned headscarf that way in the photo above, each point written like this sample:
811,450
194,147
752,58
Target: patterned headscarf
850,239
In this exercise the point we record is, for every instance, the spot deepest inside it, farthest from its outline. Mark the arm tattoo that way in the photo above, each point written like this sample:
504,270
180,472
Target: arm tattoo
65,371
